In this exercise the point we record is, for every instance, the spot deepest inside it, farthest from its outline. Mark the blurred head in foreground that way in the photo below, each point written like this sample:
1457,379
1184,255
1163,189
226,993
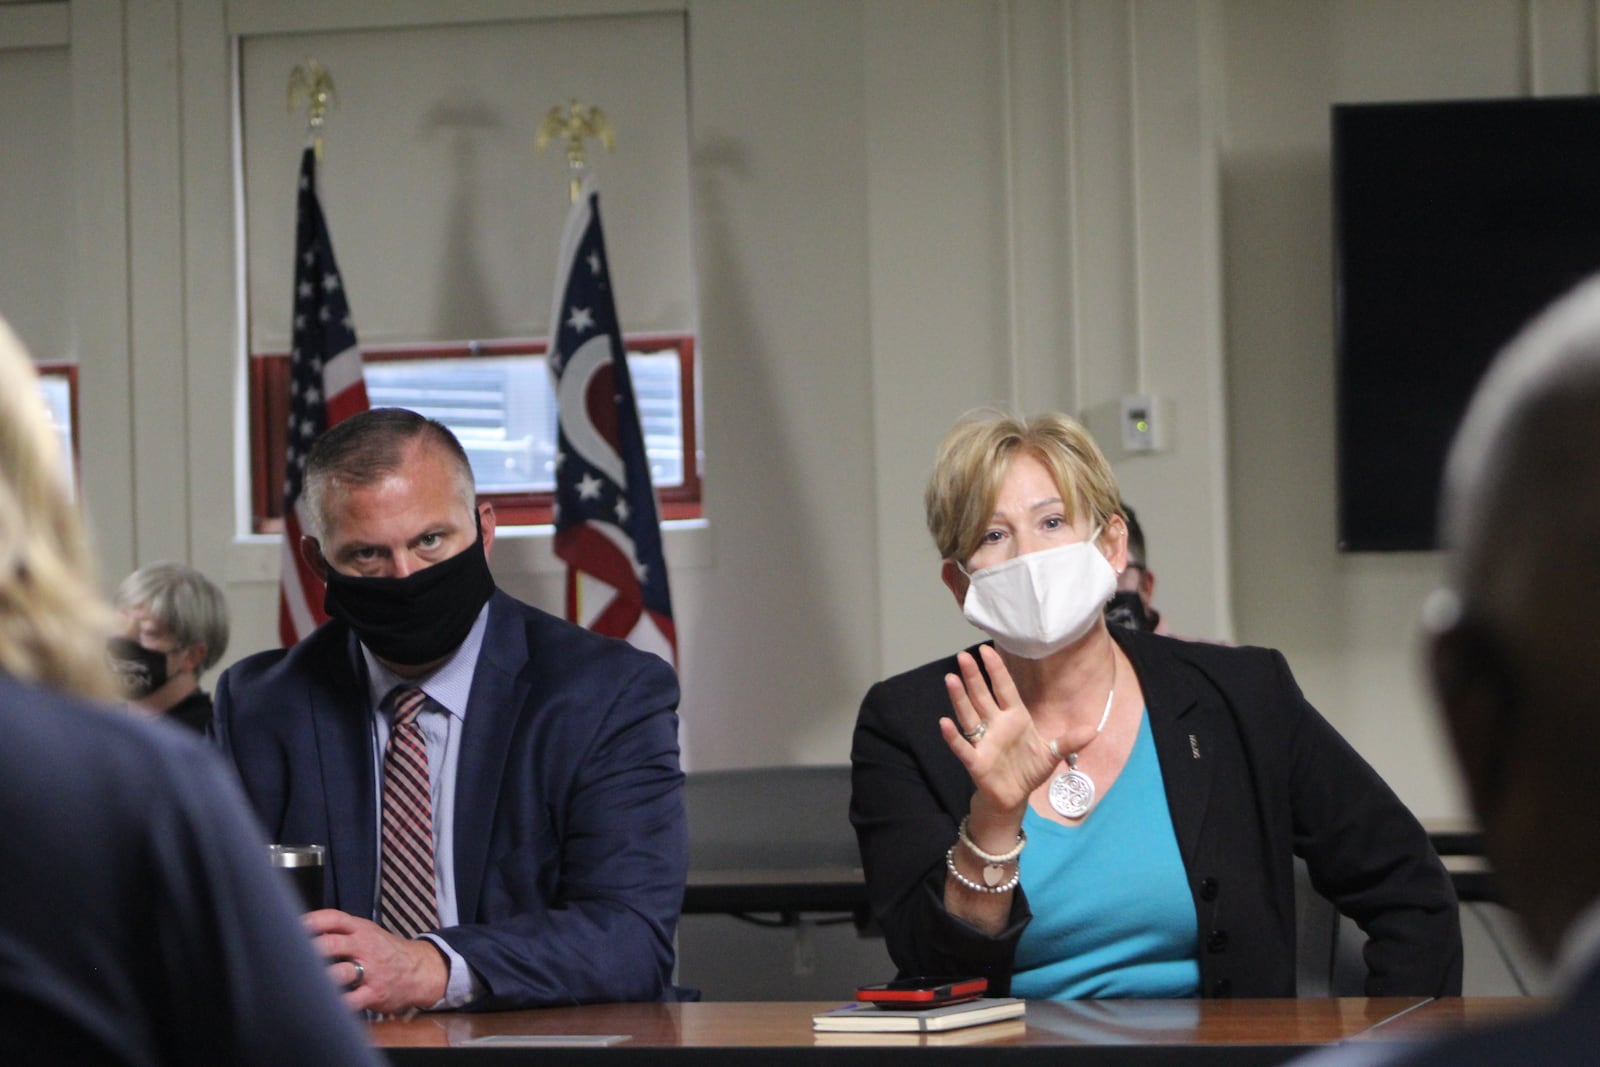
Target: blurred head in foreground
53,621
139,921
1512,649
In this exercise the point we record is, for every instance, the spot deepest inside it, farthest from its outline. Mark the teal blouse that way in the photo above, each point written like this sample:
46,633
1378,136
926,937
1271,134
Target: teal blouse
1112,911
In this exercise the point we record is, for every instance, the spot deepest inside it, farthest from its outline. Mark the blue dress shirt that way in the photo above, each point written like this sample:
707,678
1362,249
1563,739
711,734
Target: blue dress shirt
441,721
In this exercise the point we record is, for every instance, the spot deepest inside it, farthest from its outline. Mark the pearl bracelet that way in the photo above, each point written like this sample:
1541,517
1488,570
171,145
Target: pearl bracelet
993,859
1004,887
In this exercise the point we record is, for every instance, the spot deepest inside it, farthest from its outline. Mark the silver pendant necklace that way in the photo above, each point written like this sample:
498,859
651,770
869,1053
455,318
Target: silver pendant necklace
1072,791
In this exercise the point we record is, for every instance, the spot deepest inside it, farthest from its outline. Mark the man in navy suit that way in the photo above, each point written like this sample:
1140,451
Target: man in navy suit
1512,654
560,844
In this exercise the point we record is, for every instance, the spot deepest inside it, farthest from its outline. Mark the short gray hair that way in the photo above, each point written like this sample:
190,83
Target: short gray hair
184,602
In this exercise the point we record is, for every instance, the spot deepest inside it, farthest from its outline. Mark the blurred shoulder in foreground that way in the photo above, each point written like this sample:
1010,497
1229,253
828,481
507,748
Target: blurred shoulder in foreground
139,920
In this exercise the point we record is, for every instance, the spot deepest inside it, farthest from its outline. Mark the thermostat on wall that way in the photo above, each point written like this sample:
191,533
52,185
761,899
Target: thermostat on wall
1144,423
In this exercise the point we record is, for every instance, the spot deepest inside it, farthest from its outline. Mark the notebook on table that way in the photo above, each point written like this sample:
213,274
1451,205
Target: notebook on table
871,1017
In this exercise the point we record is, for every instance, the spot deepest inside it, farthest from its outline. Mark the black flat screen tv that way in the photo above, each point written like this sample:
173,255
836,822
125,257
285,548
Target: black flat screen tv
1454,222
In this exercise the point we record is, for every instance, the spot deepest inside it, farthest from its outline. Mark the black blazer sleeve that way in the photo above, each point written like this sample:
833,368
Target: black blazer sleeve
1254,776
1368,854
908,795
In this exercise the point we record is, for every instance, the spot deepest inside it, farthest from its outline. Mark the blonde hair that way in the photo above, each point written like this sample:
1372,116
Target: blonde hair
975,455
53,621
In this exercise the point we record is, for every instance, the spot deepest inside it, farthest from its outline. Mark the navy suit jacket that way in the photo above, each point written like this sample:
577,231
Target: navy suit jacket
140,923
571,840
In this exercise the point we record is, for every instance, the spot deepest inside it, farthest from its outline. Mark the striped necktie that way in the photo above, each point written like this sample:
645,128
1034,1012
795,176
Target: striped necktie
406,903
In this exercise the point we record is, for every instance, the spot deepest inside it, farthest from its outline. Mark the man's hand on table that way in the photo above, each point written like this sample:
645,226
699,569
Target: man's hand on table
395,975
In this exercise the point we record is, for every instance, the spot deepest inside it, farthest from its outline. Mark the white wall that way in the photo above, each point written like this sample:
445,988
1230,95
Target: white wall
1348,623
35,206
899,209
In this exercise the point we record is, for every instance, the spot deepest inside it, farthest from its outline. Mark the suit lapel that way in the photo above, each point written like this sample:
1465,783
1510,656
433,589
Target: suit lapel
340,718
500,685
1185,736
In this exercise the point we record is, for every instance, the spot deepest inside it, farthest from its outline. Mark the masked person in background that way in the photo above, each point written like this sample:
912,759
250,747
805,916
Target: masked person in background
1131,605
497,789
175,629
1079,811
139,920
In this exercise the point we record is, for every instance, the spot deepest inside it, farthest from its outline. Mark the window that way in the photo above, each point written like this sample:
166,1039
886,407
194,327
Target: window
496,397
59,384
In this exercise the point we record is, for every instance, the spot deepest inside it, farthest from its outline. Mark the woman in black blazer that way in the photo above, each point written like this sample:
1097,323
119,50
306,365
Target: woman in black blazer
1073,813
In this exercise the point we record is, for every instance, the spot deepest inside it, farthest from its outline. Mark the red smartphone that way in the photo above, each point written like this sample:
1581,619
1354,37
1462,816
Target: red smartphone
922,991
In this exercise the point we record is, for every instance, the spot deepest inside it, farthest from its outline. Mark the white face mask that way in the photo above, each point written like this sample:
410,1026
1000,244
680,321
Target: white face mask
1040,603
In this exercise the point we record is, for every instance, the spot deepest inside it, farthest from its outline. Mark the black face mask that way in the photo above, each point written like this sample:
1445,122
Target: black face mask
141,670
1127,609
417,619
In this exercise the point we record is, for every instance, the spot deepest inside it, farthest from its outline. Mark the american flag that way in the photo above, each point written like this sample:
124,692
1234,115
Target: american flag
325,386
606,528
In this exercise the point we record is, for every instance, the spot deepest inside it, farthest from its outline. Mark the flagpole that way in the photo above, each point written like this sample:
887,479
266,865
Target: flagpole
326,383
606,525
574,125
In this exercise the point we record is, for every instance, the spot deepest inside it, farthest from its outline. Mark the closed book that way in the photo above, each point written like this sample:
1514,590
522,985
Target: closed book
1005,1032
870,1017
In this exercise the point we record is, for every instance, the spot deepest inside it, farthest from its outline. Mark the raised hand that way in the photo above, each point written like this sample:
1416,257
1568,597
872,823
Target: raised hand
993,735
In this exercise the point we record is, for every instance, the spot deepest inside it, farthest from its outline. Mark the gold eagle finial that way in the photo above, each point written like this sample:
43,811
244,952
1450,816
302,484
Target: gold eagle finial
311,86
575,124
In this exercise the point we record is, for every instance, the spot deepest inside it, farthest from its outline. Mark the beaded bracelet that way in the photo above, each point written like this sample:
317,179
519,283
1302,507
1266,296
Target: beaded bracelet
987,857
1005,887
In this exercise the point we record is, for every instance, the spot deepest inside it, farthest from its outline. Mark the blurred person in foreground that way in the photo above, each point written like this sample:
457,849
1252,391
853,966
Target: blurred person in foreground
139,920
1078,810
175,628
1510,649
498,790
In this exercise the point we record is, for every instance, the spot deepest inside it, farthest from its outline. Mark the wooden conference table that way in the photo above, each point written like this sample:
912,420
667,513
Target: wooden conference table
1237,1033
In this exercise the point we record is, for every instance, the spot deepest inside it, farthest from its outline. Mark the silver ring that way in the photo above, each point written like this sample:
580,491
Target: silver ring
1054,750
361,975
977,732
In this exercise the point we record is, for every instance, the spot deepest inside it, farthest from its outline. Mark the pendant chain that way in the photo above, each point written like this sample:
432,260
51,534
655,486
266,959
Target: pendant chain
1072,791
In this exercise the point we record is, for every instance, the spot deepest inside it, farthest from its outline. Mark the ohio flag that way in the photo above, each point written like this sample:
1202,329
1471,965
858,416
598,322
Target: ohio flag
606,528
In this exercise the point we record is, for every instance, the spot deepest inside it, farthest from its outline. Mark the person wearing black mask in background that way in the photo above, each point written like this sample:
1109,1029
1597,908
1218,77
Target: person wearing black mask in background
175,628
547,838
1130,605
